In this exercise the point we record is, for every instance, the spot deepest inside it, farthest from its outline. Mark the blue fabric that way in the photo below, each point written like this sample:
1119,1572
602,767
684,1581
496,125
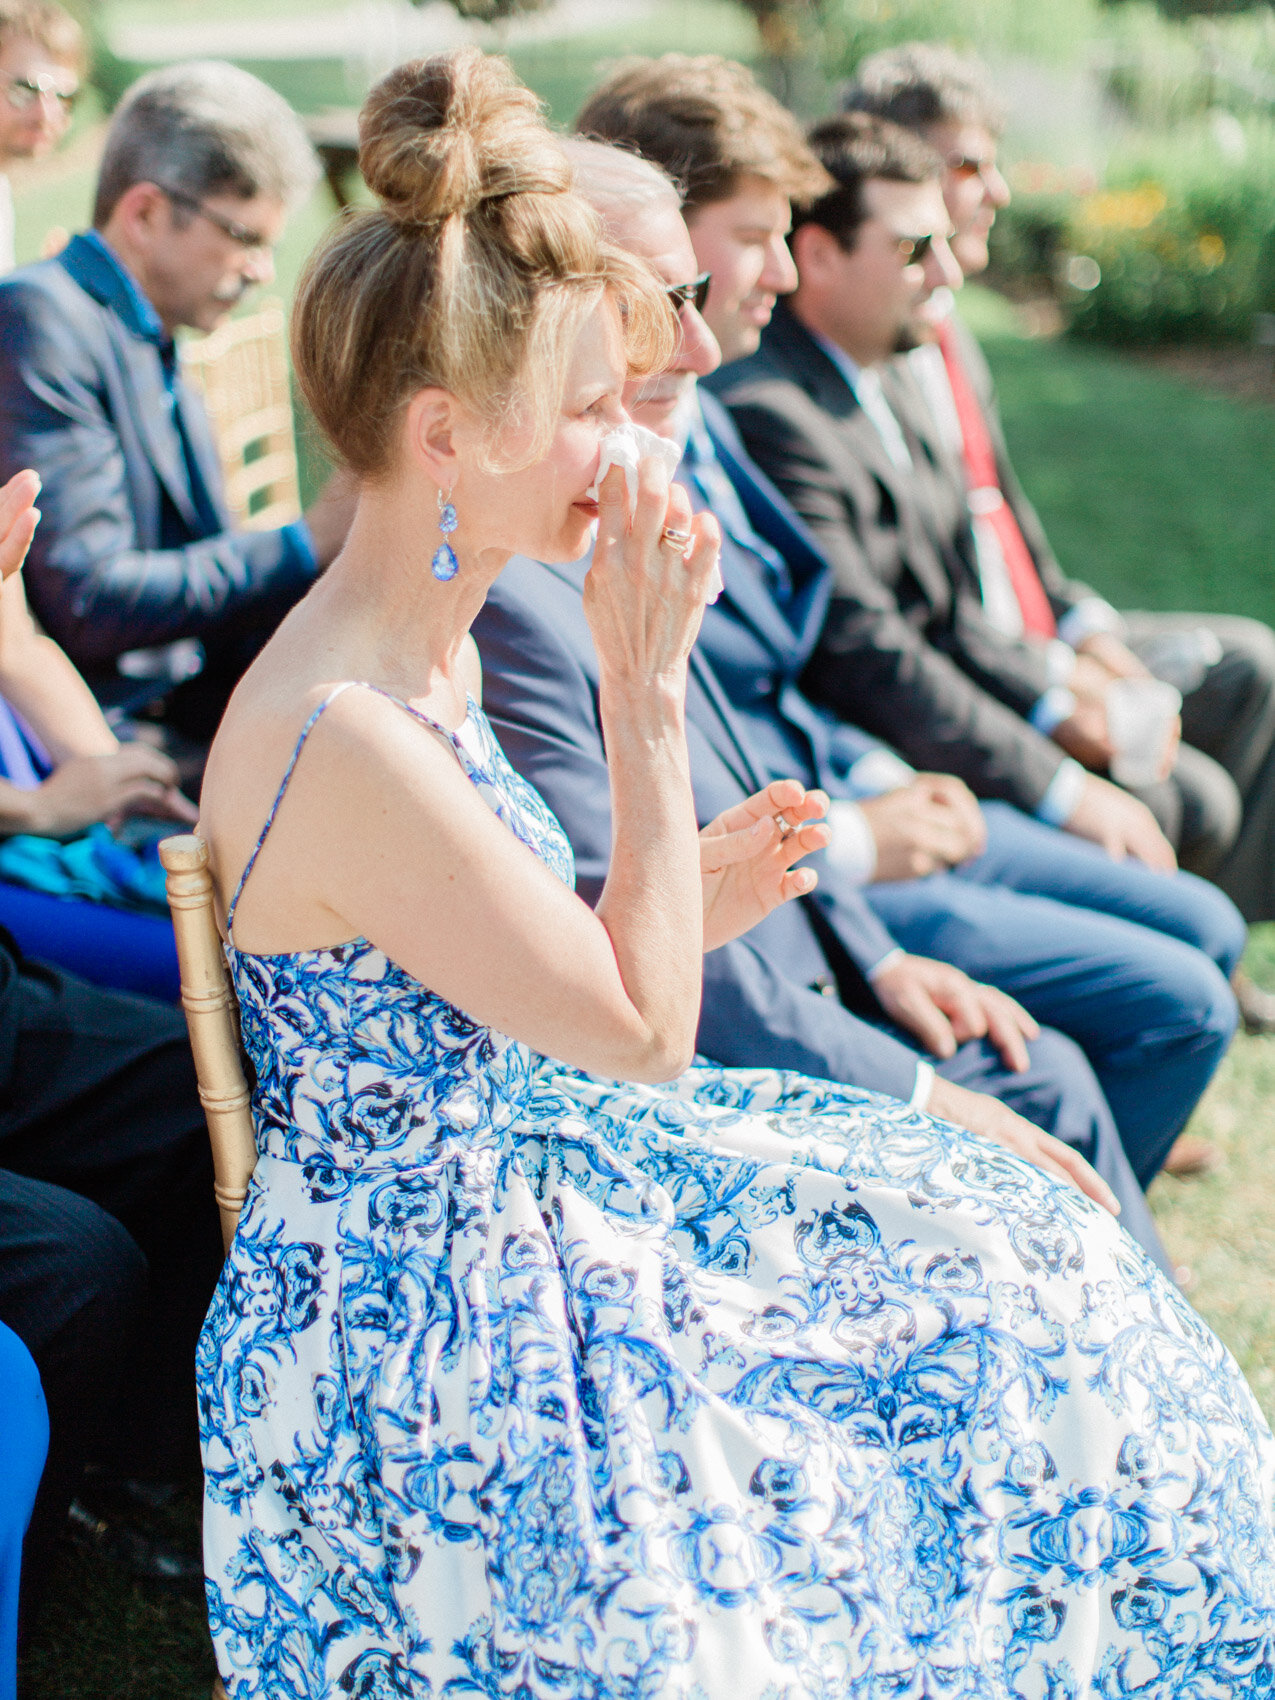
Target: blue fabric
134,548
66,902
24,1440
24,762
95,866
110,947
522,1383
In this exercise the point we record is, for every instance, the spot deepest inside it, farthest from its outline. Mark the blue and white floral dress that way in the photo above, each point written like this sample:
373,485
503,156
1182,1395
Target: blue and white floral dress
748,1387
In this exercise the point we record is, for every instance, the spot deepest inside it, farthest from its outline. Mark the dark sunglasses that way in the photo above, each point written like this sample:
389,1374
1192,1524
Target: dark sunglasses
693,294
913,249
251,240
23,92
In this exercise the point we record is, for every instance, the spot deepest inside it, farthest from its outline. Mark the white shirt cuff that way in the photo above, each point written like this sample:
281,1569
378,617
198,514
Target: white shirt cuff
1051,709
853,849
878,771
1063,796
1060,661
887,961
924,1085
1091,614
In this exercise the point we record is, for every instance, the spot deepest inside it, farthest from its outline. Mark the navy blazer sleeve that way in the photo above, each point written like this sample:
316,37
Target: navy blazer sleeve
539,696
95,585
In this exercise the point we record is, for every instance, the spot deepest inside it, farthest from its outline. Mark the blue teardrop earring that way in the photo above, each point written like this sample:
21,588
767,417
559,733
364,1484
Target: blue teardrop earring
445,565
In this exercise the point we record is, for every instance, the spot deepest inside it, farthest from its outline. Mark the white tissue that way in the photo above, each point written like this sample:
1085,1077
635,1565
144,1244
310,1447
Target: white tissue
624,447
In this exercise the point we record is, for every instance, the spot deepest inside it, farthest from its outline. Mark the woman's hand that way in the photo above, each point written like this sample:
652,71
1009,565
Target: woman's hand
18,520
132,780
746,857
644,596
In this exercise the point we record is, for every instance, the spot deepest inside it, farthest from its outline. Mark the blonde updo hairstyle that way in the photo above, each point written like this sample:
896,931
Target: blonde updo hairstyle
474,274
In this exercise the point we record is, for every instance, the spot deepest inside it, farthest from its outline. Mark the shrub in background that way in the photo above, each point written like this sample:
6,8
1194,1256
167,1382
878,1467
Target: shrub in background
1177,245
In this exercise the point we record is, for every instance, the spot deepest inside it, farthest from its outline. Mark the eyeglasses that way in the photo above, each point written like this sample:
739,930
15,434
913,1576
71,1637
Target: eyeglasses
913,249
251,241
22,93
693,294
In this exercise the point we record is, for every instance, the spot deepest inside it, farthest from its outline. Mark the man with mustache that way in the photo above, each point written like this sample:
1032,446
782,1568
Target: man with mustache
136,570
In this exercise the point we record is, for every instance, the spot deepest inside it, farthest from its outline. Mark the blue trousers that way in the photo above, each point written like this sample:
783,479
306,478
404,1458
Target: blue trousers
24,1441
117,948
1132,965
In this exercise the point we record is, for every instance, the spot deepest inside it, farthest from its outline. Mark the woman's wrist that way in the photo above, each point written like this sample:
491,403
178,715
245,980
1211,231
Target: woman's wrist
20,810
654,700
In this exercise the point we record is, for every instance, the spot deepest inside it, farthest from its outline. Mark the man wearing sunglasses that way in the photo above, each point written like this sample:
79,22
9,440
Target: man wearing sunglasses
1224,665
136,570
41,64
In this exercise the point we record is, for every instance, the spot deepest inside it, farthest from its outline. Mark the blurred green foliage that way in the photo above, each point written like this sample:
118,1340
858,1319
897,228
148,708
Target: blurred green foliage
1177,244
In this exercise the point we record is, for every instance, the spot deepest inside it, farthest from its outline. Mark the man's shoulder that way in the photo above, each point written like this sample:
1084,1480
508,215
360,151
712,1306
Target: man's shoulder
46,315
756,374
43,286
537,613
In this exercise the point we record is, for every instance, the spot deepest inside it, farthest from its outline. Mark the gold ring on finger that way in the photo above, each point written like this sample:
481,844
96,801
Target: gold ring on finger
676,538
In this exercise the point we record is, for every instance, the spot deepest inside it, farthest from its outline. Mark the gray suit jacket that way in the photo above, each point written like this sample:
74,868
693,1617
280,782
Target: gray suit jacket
906,651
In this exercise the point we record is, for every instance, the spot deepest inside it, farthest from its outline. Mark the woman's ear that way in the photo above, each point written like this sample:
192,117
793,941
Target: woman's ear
431,436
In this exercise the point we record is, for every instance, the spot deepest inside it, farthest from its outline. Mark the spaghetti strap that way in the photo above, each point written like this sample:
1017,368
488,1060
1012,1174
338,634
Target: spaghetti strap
306,730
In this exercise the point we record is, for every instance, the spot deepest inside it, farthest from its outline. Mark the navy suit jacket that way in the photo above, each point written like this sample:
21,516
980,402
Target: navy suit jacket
757,649
761,1004
127,554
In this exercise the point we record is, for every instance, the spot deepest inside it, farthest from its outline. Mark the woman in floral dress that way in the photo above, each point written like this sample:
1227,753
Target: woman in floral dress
544,1363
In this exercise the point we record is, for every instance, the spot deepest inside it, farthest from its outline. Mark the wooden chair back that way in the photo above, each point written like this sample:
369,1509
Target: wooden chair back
241,370
208,999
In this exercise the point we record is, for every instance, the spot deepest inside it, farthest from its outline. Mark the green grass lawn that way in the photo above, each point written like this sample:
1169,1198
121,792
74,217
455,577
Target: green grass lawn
1157,494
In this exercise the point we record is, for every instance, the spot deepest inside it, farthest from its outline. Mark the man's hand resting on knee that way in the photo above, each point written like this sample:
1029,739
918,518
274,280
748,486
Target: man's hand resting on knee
943,1008
1121,824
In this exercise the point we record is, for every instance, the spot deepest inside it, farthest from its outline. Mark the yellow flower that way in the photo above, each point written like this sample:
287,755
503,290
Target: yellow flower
1127,209
1211,250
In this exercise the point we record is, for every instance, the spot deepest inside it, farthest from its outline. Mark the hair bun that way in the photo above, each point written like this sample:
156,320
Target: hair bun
439,137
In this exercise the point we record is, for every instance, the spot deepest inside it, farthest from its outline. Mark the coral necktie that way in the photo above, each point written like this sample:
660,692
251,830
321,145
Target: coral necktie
987,502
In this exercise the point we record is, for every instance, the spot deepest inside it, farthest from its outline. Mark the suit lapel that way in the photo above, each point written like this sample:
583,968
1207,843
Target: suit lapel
138,355
718,725
779,525
156,424
203,448
810,367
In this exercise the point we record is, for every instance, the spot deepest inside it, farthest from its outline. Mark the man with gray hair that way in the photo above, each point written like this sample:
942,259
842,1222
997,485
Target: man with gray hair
137,571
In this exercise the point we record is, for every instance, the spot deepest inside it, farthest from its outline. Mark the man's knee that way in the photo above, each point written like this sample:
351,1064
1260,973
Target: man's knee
1249,645
68,1270
1212,810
